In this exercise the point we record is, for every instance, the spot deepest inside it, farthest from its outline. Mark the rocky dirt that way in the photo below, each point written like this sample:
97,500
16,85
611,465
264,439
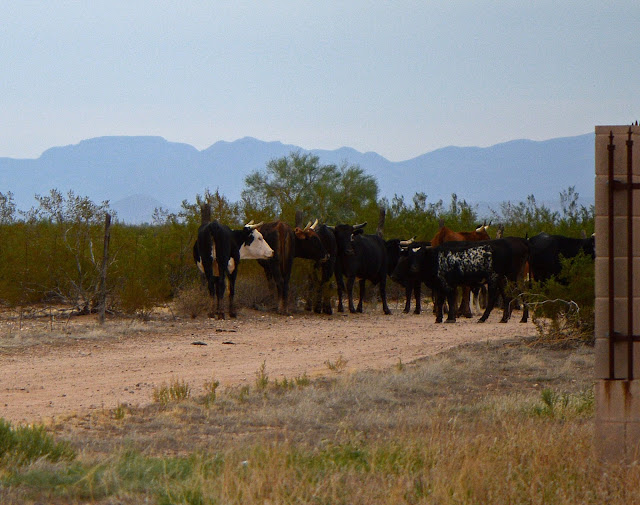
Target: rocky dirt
51,367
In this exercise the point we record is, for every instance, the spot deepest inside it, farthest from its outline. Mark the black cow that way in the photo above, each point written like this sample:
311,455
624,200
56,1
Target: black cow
445,267
545,251
287,244
397,248
217,253
363,257
319,298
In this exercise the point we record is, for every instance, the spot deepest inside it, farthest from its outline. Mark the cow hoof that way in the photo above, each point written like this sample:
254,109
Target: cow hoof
232,315
438,321
481,320
468,315
406,311
450,321
417,312
523,320
503,320
387,312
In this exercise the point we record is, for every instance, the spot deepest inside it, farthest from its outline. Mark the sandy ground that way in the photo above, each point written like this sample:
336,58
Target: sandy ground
103,370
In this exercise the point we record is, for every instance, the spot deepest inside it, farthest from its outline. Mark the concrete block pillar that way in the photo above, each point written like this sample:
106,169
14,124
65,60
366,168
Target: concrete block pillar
617,309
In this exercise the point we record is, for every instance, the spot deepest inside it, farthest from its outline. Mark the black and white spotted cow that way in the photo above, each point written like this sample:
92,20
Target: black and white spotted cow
445,267
217,253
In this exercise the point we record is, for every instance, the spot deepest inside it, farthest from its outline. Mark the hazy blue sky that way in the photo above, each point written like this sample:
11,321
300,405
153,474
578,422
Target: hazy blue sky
397,77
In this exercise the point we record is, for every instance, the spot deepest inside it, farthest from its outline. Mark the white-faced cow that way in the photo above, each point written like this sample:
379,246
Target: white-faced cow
446,267
287,244
362,257
217,253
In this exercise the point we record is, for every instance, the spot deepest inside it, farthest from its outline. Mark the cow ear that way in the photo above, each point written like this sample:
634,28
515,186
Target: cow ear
359,231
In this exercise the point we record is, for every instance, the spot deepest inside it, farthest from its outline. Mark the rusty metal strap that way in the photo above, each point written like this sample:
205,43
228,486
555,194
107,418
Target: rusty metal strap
620,337
619,185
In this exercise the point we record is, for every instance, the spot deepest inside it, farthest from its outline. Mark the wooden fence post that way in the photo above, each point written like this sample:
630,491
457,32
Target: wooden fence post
381,218
102,292
205,213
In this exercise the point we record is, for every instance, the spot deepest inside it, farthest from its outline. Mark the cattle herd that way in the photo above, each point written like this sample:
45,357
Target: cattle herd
470,261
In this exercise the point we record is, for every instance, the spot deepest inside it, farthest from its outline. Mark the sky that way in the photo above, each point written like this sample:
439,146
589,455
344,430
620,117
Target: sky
400,78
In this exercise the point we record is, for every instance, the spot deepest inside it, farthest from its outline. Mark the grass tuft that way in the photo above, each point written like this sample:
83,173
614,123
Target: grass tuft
176,391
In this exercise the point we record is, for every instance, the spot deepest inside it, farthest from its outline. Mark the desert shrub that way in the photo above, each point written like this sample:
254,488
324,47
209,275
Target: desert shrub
22,445
567,303
192,300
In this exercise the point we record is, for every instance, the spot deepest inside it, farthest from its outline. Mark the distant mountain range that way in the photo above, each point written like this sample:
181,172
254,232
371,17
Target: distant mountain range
138,174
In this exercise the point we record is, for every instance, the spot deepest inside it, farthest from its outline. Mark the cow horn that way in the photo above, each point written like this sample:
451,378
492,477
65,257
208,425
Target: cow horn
358,226
249,223
405,243
313,226
307,227
253,226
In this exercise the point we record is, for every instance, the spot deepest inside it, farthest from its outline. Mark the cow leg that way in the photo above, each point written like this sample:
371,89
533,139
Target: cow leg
506,314
211,286
341,289
492,296
232,292
362,293
350,282
451,298
437,306
408,288
220,296
383,295
525,307
417,291
465,308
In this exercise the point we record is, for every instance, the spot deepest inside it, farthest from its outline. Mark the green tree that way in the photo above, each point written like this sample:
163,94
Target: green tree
222,209
72,228
299,182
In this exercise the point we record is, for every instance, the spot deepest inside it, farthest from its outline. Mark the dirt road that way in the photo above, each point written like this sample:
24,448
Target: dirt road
92,369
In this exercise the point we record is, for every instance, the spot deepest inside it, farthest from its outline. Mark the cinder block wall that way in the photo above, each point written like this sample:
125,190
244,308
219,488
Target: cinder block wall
617,429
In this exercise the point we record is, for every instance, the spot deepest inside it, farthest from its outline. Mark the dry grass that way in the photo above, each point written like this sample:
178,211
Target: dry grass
495,423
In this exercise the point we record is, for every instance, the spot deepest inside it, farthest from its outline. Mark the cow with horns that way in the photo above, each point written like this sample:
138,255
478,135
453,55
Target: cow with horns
445,234
446,267
217,253
403,249
362,257
288,244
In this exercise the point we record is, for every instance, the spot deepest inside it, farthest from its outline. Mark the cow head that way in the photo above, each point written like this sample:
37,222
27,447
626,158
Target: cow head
345,235
254,246
483,228
308,243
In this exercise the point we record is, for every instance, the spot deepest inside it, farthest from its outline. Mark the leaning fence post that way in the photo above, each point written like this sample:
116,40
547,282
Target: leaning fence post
103,270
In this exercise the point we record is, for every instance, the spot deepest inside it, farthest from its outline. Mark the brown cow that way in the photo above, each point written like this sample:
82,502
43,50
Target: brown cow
287,244
448,235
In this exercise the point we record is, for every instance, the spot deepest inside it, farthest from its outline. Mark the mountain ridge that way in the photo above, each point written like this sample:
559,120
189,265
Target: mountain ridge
115,168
